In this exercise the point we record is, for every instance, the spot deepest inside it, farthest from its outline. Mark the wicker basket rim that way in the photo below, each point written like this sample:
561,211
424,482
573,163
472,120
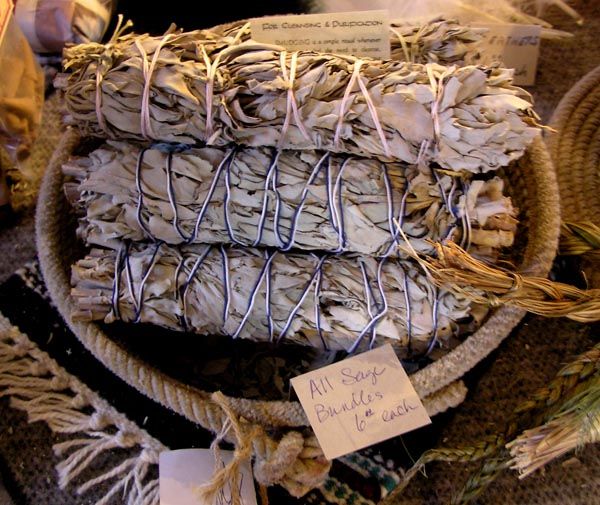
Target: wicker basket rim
573,146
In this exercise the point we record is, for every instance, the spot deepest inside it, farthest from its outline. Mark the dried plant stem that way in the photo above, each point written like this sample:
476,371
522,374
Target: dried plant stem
571,382
577,424
580,238
478,482
458,271
466,454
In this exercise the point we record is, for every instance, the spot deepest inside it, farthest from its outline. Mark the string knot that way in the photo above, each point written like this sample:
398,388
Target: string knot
98,421
271,469
59,383
149,455
125,439
79,401
494,301
19,346
37,368
295,462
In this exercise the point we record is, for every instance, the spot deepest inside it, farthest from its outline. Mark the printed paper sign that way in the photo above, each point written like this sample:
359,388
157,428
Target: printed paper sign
182,472
360,401
6,8
516,46
365,33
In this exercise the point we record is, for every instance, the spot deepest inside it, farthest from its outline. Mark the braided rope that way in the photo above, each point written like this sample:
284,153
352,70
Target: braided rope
531,412
579,238
479,481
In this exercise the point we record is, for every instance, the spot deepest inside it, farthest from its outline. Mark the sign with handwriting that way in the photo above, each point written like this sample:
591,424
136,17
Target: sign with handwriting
360,401
515,46
182,473
365,33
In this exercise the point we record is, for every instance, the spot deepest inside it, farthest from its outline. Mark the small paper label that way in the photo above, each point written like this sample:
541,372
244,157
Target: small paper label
6,9
183,472
360,401
364,33
516,46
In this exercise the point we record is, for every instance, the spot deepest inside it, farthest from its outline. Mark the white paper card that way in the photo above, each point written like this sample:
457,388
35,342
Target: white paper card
365,33
516,46
360,401
182,472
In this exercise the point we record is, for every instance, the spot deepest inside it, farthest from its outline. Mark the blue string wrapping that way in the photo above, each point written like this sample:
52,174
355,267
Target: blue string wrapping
375,301
232,201
191,262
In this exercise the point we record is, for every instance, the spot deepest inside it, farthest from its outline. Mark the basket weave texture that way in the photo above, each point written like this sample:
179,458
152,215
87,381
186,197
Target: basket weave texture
575,151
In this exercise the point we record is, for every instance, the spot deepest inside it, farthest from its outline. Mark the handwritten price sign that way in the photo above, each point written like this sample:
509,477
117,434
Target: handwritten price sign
515,46
359,402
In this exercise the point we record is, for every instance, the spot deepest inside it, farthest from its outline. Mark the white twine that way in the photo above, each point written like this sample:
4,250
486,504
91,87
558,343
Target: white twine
98,104
437,86
368,295
371,106
291,103
120,28
147,71
405,50
210,136
243,29
342,112
211,72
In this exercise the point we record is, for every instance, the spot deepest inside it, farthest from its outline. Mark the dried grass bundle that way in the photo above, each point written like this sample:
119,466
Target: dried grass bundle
290,199
322,301
580,238
559,416
457,270
576,424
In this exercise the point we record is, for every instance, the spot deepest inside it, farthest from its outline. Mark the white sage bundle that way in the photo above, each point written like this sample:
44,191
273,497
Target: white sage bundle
333,302
441,41
201,86
286,199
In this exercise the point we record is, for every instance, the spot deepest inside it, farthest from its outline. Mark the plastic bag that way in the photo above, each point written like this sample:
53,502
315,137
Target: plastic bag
50,24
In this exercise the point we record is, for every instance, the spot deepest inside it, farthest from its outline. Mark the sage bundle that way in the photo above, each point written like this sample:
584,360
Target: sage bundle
206,87
444,42
333,302
286,199
251,192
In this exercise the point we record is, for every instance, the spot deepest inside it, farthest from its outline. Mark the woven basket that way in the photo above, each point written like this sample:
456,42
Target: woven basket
536,195
575,150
